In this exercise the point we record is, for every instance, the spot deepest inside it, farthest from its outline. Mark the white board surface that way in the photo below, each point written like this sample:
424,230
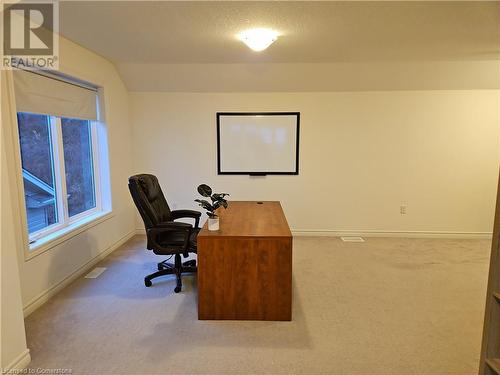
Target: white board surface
258,143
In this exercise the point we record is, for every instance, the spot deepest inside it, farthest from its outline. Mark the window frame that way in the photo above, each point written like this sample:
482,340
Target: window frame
102,151
59,170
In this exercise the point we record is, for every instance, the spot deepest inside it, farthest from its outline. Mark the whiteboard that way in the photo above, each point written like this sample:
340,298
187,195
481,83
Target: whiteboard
258,143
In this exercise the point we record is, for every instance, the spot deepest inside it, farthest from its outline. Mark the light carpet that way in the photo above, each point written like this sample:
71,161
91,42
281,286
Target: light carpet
385,306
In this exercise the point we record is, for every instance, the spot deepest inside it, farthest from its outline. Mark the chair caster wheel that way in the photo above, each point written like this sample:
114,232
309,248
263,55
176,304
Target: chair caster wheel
148,283
177,289
190,263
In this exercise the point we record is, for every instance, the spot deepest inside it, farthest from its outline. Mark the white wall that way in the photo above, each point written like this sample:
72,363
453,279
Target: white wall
362,155
45,271
13,350
312,77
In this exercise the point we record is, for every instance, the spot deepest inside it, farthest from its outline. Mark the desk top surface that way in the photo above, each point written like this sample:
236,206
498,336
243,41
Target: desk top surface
250,219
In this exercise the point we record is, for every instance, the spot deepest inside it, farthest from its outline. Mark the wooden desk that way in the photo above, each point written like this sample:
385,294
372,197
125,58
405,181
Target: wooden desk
245,268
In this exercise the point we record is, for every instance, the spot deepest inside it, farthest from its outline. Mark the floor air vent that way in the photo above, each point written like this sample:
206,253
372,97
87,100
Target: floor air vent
95,273
352,239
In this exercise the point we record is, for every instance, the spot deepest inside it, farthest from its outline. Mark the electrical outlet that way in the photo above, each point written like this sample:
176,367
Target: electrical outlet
402,209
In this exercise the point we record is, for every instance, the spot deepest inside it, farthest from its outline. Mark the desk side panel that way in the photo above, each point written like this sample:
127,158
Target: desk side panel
245,278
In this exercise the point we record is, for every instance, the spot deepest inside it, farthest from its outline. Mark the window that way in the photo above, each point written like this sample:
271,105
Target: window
58,167
78,165
38,171
60,141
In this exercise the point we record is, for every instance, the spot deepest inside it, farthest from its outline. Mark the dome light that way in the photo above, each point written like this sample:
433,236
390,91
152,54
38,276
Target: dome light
258,39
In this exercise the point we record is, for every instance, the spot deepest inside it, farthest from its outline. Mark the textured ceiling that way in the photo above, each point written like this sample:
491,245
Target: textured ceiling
312,32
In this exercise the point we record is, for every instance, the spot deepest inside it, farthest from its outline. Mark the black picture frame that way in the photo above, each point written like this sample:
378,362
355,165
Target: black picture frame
260,173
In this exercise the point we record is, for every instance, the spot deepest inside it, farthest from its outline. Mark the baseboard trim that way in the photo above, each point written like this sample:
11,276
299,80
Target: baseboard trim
43,297
19,363
400,234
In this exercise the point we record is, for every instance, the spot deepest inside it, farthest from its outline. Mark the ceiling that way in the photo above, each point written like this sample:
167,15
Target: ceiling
166,32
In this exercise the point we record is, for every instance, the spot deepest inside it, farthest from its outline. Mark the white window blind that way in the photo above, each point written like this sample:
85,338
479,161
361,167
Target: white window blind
49,96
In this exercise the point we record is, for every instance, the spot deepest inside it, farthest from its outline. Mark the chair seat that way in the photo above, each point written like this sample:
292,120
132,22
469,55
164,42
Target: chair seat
177,239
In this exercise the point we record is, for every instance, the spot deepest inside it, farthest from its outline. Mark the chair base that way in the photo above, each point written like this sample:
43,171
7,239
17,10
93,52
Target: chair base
177,269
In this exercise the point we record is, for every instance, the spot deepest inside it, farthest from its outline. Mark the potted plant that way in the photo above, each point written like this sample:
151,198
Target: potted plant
217,200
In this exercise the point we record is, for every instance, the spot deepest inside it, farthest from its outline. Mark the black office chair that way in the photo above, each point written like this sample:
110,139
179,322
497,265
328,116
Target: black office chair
164,236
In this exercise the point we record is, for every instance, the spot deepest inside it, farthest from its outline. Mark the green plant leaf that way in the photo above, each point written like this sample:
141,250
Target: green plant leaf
206,205
218,196
205,190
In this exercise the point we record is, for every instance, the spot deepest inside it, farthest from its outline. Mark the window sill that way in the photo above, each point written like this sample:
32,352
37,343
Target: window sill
64,234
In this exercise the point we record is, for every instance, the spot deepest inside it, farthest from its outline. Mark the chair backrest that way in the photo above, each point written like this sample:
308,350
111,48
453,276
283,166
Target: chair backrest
149,199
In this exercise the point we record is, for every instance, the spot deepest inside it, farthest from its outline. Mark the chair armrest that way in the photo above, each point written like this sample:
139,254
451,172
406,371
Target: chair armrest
172,226
177,214
169,226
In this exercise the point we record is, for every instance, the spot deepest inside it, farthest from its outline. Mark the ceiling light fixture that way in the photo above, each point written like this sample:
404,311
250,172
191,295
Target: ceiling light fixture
258,39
